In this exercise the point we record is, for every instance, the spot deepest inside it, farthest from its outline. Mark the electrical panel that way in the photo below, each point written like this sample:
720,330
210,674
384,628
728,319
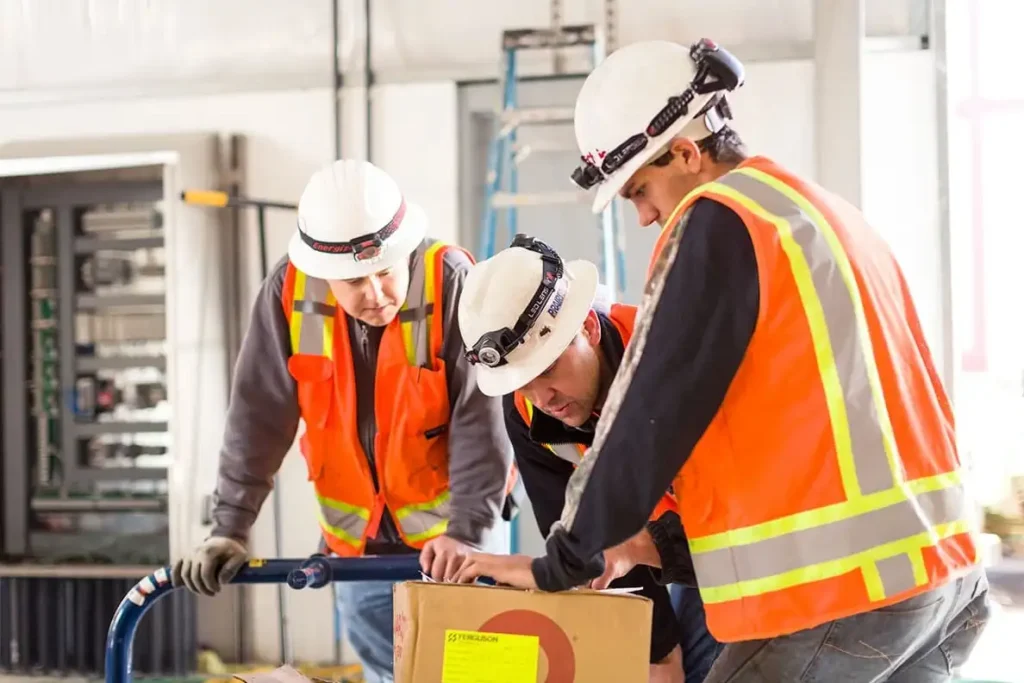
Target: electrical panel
96,349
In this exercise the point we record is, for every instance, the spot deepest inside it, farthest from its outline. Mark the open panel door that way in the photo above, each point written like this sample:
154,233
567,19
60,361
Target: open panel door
85,189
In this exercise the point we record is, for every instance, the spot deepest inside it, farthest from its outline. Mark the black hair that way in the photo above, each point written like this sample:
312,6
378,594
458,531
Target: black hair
724,147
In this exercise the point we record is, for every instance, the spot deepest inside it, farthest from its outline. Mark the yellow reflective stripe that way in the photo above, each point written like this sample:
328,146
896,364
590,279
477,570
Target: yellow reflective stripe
413,508
347,508
343,520
409,343
419,301
433,531
420,521
823,352
826,570
823,515
846,271
338,532
836,540
328,323
430,296
295,325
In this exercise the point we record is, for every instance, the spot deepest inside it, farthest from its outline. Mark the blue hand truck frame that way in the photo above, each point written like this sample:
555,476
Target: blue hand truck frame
312,572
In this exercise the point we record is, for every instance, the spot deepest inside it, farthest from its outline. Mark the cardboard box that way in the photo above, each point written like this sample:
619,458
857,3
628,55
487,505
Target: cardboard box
284,674
450,633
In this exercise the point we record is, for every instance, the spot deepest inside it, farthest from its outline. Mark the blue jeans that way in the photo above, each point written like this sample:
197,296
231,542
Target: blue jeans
920,640
367,608
700,649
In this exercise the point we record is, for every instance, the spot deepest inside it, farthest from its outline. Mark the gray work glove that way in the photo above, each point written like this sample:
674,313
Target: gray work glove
210,566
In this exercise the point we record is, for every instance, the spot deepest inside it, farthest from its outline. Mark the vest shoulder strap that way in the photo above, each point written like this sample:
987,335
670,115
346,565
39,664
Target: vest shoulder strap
309,306
422,315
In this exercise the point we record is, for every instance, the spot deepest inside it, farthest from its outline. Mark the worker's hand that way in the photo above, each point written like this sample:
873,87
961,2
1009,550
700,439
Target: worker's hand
442,557
621,559
210,566
511,570
668,670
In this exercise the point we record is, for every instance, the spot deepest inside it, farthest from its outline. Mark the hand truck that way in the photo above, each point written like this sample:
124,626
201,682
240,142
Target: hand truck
312,572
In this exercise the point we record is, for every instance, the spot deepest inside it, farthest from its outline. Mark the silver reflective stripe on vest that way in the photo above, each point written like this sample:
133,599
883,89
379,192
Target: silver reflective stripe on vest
849,342
566,451
343,521
415,312
314,308
835,541
418,525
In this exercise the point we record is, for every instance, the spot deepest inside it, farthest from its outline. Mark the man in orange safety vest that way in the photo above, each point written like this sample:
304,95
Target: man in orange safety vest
779,379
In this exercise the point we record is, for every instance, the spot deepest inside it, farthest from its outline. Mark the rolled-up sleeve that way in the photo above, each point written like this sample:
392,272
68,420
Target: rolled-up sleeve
699,311
263,415
479,452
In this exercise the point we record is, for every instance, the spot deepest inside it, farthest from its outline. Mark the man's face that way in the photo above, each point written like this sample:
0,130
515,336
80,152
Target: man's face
568,390
374,299
656,190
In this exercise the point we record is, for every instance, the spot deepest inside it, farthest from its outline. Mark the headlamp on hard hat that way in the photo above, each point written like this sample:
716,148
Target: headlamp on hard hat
365,248
492,348
717,70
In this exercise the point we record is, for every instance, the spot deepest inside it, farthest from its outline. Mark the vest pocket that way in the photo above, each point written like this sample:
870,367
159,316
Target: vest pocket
314,377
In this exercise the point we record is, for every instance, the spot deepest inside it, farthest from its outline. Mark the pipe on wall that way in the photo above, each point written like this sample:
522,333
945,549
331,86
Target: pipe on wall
368,78
336,76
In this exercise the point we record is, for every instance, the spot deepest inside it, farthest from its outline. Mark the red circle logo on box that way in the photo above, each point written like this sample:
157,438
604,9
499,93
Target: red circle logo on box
553,641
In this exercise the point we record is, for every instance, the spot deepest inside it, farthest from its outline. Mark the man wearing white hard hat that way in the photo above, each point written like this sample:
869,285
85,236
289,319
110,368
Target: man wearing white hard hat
355,333
545,336
778,379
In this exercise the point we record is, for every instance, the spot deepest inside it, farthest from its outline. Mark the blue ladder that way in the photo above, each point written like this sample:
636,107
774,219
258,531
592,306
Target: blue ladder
504,155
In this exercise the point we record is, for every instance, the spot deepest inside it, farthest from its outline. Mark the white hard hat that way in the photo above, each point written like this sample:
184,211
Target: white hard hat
517,314
636,84
353,222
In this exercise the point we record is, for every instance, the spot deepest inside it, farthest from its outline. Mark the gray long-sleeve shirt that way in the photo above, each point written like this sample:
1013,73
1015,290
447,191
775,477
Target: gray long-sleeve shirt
263,418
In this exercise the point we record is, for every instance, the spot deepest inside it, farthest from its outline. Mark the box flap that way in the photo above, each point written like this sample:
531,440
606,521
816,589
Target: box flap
283,674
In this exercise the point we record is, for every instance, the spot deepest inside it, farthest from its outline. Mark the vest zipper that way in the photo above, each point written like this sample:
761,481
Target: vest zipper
379,503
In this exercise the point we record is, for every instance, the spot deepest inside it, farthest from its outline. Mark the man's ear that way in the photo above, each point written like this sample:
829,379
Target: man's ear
592,328
686,153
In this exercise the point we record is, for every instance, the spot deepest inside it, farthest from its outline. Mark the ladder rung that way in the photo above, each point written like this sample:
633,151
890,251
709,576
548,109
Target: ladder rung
502,200
522,151
534,115
544,146
536,38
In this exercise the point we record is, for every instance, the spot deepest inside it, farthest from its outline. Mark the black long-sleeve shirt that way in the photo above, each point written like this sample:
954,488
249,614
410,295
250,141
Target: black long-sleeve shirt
700,308
545,476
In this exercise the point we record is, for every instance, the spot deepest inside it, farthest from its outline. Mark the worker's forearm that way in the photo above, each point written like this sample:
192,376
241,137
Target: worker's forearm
262,418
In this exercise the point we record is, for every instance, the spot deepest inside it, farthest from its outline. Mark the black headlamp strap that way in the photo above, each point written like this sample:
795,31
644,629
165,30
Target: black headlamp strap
357,245
492,347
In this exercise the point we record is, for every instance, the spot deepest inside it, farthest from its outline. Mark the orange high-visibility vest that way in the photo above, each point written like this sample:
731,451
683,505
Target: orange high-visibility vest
411,409
828,484
623,317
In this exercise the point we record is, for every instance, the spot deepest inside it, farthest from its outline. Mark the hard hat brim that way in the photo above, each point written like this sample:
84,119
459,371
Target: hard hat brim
520,370
346,267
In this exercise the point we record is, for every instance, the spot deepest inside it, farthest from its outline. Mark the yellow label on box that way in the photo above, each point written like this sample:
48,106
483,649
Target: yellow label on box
477,657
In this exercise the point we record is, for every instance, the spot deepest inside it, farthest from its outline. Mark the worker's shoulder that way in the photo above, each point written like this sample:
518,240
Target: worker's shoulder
275,278
709,207
456,259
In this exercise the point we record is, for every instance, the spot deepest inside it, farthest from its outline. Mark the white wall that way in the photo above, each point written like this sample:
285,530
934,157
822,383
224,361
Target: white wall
71,44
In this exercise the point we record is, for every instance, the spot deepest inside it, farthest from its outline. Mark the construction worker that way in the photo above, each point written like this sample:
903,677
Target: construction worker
554,383
354,332
778,378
